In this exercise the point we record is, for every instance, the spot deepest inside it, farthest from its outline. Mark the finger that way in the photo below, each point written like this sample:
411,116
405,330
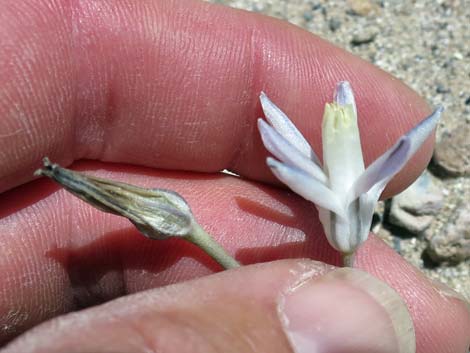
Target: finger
434,306
175,85
289,306
59,254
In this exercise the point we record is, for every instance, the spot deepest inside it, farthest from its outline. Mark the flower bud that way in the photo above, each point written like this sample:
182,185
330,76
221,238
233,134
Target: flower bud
157,213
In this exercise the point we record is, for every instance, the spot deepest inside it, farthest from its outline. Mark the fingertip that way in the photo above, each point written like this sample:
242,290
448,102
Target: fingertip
334,312
441,320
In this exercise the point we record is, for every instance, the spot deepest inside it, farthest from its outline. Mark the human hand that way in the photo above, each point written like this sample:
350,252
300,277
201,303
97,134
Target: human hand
174,85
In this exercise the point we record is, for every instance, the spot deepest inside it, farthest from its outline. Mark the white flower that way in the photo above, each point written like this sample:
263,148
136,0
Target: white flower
344,192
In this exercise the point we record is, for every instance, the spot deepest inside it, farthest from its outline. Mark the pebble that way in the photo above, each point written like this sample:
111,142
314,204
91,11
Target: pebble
452,245
334,24
442,89
415,208
308,16
361,7
452,152
316,6
365,37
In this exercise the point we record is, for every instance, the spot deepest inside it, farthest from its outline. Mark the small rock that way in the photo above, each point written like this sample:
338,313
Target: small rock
334,24
442,89
452,152
448,64
316,6
414,209
361,7
362,38
453,244
412,224
308,16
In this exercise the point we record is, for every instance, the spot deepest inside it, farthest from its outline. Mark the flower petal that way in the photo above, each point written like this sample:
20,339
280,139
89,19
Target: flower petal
367,204
336,230
420,132
287,153
342,153
383,168
344,95
286,128
393,160
306,186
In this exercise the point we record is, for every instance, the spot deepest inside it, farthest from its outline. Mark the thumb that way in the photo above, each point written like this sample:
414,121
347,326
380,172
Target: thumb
284,306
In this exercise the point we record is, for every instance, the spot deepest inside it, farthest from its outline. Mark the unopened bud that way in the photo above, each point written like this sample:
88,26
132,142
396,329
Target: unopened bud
157,213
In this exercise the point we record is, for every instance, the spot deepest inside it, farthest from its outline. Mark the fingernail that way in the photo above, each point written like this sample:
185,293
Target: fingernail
346,310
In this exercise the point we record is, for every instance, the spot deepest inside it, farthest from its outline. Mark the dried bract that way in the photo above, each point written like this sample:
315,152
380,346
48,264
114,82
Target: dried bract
157,213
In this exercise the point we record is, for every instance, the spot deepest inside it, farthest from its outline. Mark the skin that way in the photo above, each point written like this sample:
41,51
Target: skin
153,93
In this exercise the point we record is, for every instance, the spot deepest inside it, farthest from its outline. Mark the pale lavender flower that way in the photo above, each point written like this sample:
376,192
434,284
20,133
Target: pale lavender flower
344,192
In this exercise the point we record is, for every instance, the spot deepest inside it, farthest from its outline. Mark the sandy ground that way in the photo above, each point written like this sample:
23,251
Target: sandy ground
425,43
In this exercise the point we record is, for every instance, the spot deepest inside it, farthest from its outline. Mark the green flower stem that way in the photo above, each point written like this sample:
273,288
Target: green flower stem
200,238
348,259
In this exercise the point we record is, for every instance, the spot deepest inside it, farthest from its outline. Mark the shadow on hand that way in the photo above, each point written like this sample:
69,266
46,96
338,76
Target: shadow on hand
97,270
13,201
303,217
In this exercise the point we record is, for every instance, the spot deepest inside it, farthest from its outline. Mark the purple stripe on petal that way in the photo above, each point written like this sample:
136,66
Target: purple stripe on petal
383,168
420,132
287,153
392,161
